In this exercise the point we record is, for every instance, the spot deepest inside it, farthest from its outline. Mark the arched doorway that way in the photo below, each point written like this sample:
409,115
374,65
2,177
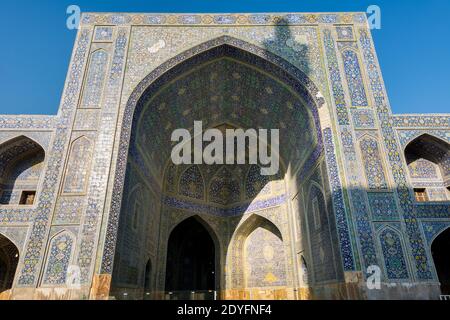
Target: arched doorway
9,257
440,251
191,261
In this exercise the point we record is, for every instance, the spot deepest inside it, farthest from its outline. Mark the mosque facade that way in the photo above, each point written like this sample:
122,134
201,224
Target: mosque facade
93,207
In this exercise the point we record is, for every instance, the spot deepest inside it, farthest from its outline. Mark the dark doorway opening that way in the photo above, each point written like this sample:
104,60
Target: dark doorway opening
148,280
190,258
9,257
440,249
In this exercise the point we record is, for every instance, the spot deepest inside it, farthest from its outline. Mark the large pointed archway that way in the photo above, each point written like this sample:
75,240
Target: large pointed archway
225,83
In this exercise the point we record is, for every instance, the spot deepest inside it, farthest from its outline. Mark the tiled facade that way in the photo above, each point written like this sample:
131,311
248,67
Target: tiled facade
106,198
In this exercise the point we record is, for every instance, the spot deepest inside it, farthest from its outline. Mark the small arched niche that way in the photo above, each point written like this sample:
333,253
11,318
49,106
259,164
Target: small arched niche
428,160
259,257
21,164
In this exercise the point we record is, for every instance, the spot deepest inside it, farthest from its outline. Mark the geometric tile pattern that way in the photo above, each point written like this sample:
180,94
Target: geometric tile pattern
256,183
338,202
383,206
96,191
192,184
355,182
345,33
95,79
406,136
30,257
354,79
267,263
224,188
373,165
423,169
363,118
420,256
103,33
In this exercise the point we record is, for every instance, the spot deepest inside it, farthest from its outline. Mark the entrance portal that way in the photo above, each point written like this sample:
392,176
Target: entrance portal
190,258
226,87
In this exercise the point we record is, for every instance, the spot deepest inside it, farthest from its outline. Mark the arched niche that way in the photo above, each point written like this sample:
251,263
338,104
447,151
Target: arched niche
21,165
257,257
428,160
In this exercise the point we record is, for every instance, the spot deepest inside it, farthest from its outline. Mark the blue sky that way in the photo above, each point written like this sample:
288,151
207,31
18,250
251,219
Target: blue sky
413,46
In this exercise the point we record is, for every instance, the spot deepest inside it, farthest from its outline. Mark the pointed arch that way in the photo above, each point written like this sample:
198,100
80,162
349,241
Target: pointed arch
258,253
59,257
193,255
428,160
255,221
304,272
422,144
418,134
354,77
249,53
392,250
212,233
21,163
319,225
429,147
9,258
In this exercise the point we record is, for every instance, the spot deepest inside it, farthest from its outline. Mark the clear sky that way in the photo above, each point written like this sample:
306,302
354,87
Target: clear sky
413,46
